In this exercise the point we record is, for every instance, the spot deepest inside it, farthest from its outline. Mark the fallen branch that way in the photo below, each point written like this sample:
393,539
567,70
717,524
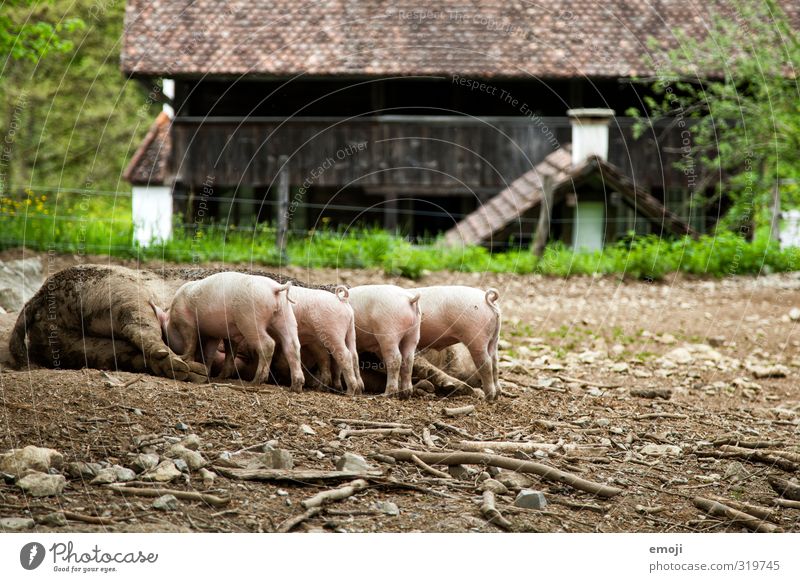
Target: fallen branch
787,503
187,495
527,447
302,476
757,456
453,429
491,514
754,510
374,431
665,393
739,518
460,411
426,438
583,382
785,488
544,471
89,518
335,494
370,423
287,525
428,469
748,444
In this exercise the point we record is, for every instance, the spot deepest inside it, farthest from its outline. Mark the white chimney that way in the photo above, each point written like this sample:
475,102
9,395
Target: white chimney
168,89
589,133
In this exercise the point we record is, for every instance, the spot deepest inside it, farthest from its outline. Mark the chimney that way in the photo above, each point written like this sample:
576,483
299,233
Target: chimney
589,133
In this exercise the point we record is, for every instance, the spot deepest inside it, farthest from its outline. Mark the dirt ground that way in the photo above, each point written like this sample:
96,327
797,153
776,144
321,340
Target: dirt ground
668,391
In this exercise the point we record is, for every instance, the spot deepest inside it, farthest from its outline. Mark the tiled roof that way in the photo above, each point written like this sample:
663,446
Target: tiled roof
149,163
484,38
525,193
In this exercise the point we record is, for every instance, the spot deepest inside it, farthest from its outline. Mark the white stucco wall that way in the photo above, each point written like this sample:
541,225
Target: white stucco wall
152,214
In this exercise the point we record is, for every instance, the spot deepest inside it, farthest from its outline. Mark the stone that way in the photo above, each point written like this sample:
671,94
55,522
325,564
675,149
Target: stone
530,499
16,523
620,367
19,280
55,519
193,459
352,462
494,486
736,472
655,450
307,430
278,459
461,472
20,462
794,313
776,371
166,503
144,462
42,484
181,465
181,426
679,356
207,476
165,472
192,442
81,470
513,480
386,507
716,341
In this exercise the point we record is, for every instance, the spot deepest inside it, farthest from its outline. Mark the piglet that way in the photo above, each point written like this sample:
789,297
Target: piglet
243,310
326,328
457,314
387,324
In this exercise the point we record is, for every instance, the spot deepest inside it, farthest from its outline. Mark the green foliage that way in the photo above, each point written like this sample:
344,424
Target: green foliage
735,94
27,34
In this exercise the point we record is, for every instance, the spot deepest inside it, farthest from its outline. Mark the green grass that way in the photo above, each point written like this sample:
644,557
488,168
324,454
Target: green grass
99,225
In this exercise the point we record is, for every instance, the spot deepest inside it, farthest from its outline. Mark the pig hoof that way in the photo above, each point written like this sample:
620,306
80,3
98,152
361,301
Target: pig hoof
479,394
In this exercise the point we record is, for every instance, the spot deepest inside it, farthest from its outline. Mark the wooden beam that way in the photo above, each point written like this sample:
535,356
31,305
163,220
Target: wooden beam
545,214
283,208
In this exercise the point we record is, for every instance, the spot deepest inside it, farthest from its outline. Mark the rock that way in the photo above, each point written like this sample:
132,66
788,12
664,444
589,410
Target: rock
20,462
55,519
166,503
776,371
105,476
716,341
278,459
461,472
655,450
181,426
352,462
181,465
620,367
282,492
736,472
513,480
192,442
794,313
666,338
16,523
307,430
81,470
19,280
207,477
144,462
494,486
679,356
193,459
530,499
42,484
386,507
165,472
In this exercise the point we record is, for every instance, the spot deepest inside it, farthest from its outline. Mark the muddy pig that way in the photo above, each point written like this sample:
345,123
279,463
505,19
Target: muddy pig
243,309
454,314
387,324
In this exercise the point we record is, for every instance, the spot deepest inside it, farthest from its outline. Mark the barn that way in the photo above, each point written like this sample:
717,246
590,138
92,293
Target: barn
450,119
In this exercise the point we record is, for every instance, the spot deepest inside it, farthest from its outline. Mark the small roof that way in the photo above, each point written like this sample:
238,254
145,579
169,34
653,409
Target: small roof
149,163
479,38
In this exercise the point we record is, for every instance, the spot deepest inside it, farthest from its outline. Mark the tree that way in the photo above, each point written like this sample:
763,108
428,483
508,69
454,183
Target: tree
25,35
735,92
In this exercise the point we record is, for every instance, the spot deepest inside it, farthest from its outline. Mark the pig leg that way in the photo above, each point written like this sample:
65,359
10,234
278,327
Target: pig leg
344,364
350,342
291,349
323,361
393,360
265,348
483,362
407,348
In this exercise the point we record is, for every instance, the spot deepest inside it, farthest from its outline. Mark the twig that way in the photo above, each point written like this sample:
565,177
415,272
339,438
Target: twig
287,525
478,446
426,438
375,431
453,429
739,518
544,471
302,476
370,423
747,444
459,411
586,382
187,495
489,511
655,415
335,494
428,469
785,488
665,393
89,518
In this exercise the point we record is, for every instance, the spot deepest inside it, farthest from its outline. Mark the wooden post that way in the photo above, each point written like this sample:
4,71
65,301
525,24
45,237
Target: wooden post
390,213
775,223
283,207
545,213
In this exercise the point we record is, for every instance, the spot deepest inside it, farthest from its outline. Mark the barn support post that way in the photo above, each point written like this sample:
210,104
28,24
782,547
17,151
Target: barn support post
283,208
775,222
390,213
545,214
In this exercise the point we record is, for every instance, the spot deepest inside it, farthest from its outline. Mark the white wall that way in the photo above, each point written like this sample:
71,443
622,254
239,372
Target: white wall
589,226
152,214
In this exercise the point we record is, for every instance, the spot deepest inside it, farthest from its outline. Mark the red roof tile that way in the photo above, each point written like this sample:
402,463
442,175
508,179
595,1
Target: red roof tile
149,163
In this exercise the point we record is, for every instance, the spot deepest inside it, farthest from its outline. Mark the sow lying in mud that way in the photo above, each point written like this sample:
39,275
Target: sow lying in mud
101,316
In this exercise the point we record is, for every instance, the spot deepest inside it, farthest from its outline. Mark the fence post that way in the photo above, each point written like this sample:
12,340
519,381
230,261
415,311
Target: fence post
545,210
283,208
775,223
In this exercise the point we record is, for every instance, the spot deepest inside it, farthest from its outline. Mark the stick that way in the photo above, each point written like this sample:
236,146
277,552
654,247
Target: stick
490,513
426,438
748,444
453,429
739,518
188,495
787,503
428,469
665,393
654,415
89,518
302,476
460,411
754,510
370,423
785,488
479,446
376,431
544,471
758,456
287,525
335,494
586,382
